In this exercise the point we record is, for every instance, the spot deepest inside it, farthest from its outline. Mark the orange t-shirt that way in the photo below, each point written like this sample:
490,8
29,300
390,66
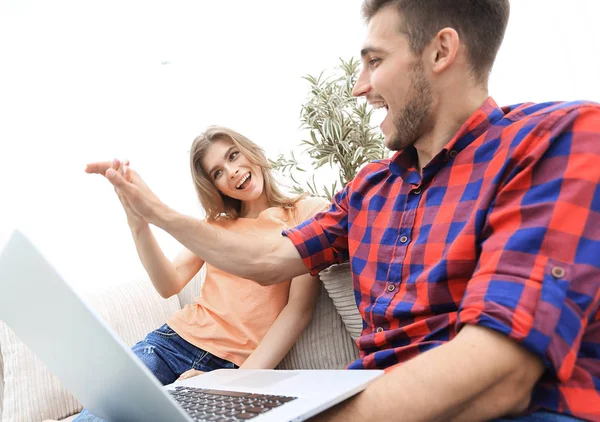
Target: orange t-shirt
232,314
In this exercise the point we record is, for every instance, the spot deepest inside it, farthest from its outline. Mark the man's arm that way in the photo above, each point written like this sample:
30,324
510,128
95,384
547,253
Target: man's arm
264,260
452,381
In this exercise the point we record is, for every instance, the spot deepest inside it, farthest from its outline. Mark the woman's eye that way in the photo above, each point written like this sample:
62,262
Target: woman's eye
233,155
216,174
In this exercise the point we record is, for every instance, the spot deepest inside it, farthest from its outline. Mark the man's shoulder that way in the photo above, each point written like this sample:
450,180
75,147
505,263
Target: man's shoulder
530,126
554,110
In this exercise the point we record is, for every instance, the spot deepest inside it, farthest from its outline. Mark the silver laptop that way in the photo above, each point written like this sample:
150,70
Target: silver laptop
108,379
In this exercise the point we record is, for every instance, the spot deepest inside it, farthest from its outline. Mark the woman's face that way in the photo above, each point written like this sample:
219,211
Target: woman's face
231,172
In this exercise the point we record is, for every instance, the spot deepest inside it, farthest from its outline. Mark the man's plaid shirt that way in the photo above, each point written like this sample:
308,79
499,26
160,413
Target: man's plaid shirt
501,229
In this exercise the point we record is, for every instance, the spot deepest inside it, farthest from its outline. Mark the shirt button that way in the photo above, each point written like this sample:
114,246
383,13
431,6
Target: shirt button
391,288
417,191
558,272
379,329
404,239
452,153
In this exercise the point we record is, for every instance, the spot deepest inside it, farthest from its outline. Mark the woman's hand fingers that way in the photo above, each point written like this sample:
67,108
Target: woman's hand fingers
189,374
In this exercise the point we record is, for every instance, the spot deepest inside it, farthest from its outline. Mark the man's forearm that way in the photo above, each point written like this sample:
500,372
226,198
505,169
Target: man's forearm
493,402
267,261
447,381
264,260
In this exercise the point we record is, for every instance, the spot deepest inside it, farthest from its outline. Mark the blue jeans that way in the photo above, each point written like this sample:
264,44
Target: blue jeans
541,416
168,356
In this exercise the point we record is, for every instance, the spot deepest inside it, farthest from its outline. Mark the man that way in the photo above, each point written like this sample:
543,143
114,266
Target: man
474,249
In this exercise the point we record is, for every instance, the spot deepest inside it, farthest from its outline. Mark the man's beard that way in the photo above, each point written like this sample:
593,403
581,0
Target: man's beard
410,120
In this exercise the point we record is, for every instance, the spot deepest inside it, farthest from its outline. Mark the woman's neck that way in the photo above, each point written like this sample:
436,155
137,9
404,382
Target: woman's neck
251,209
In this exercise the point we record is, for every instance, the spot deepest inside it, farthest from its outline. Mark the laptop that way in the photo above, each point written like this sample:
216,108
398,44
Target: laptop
101,371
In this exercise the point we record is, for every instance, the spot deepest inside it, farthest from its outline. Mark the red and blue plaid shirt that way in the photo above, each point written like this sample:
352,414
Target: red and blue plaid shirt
501,229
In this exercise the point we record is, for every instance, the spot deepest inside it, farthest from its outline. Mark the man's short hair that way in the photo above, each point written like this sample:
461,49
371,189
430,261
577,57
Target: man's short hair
480,24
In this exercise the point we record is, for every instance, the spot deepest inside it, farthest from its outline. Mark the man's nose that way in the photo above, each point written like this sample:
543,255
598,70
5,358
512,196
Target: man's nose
362,85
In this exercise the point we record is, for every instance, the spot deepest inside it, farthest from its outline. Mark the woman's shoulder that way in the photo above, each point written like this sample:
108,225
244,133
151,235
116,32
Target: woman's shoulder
309,206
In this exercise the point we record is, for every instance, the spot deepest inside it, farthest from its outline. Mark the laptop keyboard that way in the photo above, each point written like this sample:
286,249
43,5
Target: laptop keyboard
225,406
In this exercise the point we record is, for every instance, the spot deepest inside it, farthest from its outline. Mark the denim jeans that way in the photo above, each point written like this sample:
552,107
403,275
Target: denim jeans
168,356
541,416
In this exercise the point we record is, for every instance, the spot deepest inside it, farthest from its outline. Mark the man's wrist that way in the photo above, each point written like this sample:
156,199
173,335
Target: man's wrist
163,217
139,227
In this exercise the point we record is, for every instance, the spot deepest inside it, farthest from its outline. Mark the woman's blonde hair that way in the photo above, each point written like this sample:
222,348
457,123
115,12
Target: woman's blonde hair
216,204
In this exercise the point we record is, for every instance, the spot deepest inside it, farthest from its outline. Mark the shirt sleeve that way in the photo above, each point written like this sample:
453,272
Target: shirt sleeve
322,240
538,276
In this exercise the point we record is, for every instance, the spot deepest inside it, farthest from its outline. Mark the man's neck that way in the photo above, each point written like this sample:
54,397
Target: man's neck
450,114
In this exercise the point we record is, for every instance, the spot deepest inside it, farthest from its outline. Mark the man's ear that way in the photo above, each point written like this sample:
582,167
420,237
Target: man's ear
443,49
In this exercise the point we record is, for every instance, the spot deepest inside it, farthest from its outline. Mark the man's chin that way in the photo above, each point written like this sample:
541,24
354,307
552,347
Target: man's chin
395,144
391,143
388,140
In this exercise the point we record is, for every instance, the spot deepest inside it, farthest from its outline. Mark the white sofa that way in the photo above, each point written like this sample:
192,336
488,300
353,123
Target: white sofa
30,393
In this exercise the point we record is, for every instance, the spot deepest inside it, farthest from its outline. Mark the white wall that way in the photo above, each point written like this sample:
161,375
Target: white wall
82,81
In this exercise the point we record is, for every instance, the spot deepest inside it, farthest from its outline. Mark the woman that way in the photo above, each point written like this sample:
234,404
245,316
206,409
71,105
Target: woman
233,323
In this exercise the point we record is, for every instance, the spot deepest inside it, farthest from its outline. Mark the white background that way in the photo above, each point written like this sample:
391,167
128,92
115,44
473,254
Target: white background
82,81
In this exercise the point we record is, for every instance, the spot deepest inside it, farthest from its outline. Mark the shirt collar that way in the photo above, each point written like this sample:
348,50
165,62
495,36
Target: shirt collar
403,163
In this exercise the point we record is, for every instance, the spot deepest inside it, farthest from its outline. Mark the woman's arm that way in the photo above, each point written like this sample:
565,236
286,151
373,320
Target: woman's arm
264,260
168,278
288,326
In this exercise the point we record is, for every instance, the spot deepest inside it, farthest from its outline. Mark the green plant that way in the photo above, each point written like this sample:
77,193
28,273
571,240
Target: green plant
339,129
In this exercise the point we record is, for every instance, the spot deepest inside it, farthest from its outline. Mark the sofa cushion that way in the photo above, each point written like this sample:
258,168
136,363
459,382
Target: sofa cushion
337,280
325,344
192,289
32,393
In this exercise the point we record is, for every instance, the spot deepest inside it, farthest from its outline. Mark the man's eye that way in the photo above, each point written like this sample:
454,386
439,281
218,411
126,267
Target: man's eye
374,62
233,155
